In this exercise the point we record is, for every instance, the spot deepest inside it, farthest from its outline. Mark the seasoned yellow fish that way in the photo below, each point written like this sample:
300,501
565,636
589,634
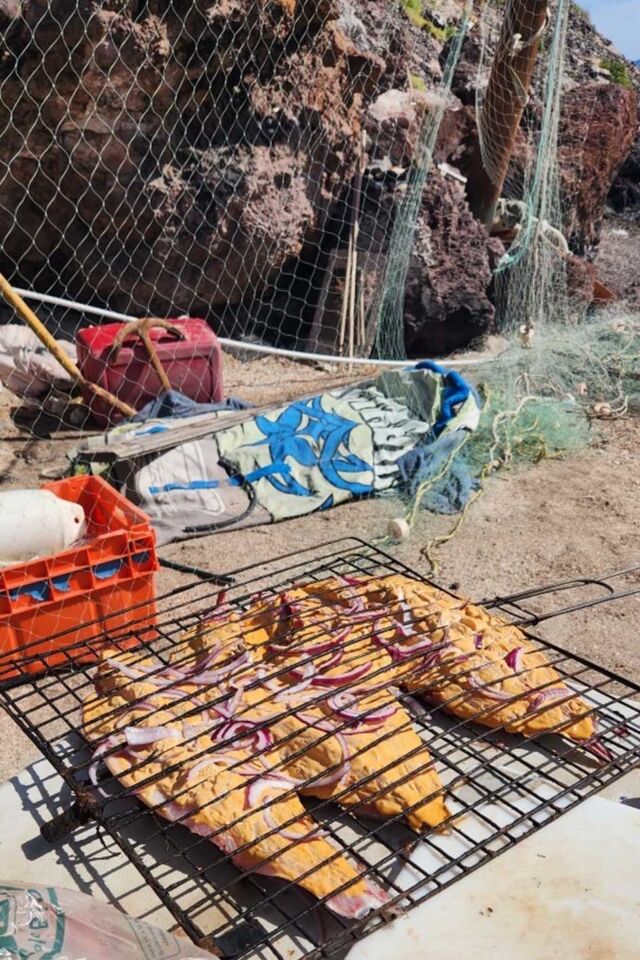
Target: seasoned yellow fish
475,665
195,764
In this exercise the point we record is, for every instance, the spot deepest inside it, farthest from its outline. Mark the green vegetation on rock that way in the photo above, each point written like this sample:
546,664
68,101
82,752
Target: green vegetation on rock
414,10
618,71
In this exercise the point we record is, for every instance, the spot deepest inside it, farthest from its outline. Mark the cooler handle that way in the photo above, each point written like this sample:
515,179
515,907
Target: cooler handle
142,328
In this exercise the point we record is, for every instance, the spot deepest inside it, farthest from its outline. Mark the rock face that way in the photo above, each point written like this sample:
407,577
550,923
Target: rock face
596,136
155,163
447,304
200,156
625,192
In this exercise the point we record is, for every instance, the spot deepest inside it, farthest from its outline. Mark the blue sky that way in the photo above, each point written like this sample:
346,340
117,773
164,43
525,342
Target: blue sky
620,21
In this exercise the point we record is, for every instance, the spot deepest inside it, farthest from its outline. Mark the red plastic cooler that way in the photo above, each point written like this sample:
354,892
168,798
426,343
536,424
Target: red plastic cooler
193,365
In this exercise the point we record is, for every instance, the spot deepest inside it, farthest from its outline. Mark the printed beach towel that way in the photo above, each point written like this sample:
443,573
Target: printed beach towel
310,454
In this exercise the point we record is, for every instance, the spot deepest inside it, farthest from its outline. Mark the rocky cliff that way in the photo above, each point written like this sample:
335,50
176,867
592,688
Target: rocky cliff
201,155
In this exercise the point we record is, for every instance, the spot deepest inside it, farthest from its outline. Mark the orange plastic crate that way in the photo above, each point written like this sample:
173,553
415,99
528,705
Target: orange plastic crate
52,608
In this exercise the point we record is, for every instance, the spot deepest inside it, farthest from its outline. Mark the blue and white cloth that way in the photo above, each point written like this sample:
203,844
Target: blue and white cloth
310,454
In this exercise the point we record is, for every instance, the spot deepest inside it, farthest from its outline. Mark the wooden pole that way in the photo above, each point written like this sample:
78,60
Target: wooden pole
505,99
14,299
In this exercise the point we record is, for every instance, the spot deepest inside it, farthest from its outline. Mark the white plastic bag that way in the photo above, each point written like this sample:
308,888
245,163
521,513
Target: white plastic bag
58,924
35,523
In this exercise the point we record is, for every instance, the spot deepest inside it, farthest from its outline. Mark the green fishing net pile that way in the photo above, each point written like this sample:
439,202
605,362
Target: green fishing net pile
563,368
547,399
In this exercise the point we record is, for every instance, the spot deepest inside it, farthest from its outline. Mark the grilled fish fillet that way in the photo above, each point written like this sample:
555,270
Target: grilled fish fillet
478,667
215,787
299,694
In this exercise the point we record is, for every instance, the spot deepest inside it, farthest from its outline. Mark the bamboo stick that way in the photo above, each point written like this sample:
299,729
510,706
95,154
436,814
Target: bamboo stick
26,313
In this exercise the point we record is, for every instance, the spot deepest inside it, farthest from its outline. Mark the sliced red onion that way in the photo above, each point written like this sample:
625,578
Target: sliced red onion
432,659
359,728
409,650
489,692
264,676
225,760
212,677
201,765
153,707
283,651
287,833
168,673
598,749
204,662
269,782
304,672
352,581
316,834
349,677
217,715
365,615
328,645
514,659
262,739
109,744
539,697
308,670
220,614
356,607
462,658
232,731
478,641
143,736
347,588
139,672
342,704
285,694
227,709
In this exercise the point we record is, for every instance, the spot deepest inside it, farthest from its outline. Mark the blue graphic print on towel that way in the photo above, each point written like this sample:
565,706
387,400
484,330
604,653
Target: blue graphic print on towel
306,456
321,440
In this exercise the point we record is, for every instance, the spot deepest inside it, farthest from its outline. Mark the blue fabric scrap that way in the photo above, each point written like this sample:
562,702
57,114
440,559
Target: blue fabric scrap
104,571
173,404
456,390
449,494
39,591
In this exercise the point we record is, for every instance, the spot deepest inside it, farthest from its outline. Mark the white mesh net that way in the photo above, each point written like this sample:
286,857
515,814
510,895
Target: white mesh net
265,167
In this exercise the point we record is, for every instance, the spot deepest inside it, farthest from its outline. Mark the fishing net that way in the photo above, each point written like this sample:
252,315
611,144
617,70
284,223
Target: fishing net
202,159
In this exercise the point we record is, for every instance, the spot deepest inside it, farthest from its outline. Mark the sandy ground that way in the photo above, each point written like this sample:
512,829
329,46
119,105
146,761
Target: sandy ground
557,520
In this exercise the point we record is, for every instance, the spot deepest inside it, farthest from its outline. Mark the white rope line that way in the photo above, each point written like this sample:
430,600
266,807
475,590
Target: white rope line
254,347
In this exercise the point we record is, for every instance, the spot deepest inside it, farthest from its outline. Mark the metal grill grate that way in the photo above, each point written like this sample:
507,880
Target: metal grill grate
499,787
